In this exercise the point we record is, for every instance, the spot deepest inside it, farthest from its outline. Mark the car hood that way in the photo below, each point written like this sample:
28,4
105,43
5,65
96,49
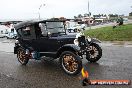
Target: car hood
68,36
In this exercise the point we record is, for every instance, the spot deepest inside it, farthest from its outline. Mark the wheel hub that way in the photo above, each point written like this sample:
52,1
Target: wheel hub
70,63
92,52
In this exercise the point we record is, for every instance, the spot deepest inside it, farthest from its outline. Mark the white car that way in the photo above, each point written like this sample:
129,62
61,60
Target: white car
76,28
3,32
12,35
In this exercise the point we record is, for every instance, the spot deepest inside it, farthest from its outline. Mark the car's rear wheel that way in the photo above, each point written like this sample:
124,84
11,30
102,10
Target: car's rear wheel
95,53
22,57
70,63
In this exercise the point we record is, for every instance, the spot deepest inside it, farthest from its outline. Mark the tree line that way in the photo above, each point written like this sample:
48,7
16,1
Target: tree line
94,16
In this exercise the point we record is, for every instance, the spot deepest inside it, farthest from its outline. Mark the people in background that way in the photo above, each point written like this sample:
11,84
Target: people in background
118,22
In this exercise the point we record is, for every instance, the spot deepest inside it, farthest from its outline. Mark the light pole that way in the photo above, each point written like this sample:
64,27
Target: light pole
40,8
89,16
131,7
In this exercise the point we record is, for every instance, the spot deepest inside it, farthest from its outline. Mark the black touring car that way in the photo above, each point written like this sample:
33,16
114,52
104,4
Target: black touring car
49,38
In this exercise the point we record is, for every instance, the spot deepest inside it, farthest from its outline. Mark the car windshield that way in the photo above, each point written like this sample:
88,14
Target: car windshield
55,27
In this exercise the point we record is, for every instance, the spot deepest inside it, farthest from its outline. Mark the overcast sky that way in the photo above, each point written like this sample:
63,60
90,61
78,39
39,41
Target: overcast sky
29,9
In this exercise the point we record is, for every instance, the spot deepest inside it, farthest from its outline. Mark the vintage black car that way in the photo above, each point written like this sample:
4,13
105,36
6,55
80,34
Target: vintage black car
49,38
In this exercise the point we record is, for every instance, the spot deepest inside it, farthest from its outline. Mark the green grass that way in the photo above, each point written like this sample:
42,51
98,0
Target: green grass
120,33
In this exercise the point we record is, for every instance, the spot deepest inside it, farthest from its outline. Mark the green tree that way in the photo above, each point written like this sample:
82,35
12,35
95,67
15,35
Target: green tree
80,16
75,17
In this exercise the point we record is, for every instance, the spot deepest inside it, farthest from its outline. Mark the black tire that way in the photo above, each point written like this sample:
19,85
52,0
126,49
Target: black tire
22,57
95,49
72,64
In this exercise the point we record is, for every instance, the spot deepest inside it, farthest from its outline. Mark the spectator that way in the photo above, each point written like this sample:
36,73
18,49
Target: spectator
119,22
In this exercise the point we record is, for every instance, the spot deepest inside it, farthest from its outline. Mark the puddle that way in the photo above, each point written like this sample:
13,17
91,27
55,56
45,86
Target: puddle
5,42
110,63
118,43
128,43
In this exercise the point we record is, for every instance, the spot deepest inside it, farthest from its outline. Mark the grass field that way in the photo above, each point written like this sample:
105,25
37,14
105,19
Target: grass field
120,33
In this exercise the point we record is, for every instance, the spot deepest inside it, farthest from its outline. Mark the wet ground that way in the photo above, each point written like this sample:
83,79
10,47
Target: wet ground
116,63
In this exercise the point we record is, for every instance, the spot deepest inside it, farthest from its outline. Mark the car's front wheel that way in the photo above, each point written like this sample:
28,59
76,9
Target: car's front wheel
22,57
95,53
70,63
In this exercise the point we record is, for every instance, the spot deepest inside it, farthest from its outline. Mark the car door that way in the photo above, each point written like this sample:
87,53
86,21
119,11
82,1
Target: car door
46,44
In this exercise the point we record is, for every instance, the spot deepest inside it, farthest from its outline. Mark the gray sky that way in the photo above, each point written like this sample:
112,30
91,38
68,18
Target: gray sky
29,9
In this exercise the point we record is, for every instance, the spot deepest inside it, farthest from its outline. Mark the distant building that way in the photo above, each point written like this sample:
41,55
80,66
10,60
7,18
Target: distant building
92,20
101,18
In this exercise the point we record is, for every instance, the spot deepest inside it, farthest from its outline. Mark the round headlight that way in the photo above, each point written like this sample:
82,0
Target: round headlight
76,42
89,39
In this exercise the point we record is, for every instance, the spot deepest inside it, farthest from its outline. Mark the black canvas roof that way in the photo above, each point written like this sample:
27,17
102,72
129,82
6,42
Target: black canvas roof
32,22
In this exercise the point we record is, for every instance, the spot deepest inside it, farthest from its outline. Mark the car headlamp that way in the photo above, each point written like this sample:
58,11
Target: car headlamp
76,42
89,39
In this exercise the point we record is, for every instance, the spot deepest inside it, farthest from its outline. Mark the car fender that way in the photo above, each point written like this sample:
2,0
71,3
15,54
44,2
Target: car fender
68,47
94,40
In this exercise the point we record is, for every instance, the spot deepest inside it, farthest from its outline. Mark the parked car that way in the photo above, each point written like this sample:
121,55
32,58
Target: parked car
3,31
48,38
76,28
70,25
12,34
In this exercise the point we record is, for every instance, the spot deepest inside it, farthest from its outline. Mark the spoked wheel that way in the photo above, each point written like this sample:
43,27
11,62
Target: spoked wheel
70,63
21,55
95,53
